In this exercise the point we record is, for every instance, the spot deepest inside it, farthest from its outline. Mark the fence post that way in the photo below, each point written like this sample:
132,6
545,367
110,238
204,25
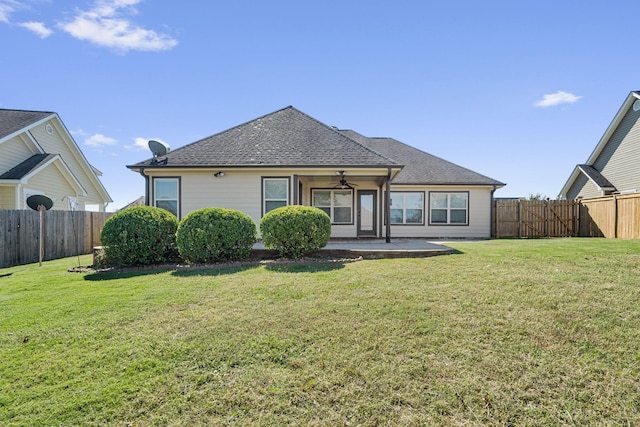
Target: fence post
615,216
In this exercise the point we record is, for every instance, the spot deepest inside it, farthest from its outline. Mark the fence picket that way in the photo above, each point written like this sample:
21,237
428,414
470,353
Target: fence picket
66,234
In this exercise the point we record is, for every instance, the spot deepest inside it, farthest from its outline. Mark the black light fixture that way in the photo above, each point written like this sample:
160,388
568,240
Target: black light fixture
218,174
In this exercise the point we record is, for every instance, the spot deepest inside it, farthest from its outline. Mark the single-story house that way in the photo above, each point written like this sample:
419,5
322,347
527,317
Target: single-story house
38,155
612,167
287,157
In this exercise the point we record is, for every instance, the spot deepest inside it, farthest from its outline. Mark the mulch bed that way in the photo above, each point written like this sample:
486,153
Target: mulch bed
195,267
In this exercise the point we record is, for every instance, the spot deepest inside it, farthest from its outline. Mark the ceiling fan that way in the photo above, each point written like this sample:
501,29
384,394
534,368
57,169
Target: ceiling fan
343,182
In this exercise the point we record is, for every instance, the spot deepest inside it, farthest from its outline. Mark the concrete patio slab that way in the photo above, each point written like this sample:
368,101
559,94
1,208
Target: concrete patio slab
372,249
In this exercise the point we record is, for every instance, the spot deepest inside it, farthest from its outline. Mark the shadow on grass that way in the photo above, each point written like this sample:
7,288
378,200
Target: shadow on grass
100,276
305,268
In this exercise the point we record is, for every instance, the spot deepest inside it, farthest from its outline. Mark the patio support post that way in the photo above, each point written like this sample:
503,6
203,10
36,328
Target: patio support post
296,198
387,207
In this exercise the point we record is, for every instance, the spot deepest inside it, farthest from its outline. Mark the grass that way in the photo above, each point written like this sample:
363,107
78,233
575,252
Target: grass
504,332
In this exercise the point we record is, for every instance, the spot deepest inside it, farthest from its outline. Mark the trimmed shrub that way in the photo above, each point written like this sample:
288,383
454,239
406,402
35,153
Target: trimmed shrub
215,235
295,231
141,235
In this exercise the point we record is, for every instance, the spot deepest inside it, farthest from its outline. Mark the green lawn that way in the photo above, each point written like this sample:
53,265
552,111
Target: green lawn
505,332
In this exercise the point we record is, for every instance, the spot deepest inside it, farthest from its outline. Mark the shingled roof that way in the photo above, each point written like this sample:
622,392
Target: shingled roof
287,137
24,168
421,167
14,120
594,175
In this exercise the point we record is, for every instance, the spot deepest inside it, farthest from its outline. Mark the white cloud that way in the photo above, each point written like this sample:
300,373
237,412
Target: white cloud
560,97
7,7
141,143
38,28
107,24
99,140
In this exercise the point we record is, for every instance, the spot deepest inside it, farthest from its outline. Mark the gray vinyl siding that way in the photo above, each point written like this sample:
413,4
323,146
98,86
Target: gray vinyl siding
583,187
619,159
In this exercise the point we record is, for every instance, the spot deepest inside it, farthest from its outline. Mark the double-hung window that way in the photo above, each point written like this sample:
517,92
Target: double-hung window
338,204
449,208
275,193
166,193
407,208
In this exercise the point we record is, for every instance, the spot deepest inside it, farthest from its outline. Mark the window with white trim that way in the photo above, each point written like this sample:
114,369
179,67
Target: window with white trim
449,208
166,192
275,193
338,204
407,207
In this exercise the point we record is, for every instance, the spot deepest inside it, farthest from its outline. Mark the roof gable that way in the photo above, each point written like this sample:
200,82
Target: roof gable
38,162
13,121
596,177
421,167
26,125
600,148
286,137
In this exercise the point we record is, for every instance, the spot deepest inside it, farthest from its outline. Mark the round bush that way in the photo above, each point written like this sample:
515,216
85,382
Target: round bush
295,231
214,235
141,235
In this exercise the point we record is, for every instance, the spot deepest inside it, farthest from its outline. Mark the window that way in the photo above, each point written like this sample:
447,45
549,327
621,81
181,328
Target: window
449,208
407,208
166,191
275,193
338,204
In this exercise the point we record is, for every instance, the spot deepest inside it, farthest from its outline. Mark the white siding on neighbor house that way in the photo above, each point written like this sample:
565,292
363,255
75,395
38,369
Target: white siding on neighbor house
479,215
618,161
54,185
13,152
55,144
7,198
583,187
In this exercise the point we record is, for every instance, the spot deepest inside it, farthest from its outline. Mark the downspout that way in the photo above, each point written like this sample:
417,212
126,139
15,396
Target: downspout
146,187
387,207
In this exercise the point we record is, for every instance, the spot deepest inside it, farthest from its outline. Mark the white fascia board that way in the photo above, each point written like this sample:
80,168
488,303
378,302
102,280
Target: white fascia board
565,189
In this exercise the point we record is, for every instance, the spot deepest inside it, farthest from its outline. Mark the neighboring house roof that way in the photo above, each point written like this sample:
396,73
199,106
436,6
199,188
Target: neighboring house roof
600,147
287,137
421,167
140,201
23,169
596,177
12,121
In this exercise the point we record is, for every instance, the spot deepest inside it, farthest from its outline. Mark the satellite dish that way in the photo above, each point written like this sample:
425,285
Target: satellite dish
159,149
39,200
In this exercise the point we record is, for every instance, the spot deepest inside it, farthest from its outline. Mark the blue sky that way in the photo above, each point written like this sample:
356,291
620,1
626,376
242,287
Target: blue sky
518,91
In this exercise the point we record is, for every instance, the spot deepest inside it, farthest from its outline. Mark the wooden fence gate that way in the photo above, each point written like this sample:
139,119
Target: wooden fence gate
545,218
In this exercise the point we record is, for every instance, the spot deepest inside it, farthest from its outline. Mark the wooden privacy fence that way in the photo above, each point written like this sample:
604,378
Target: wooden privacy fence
614,216
66,233
532,218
